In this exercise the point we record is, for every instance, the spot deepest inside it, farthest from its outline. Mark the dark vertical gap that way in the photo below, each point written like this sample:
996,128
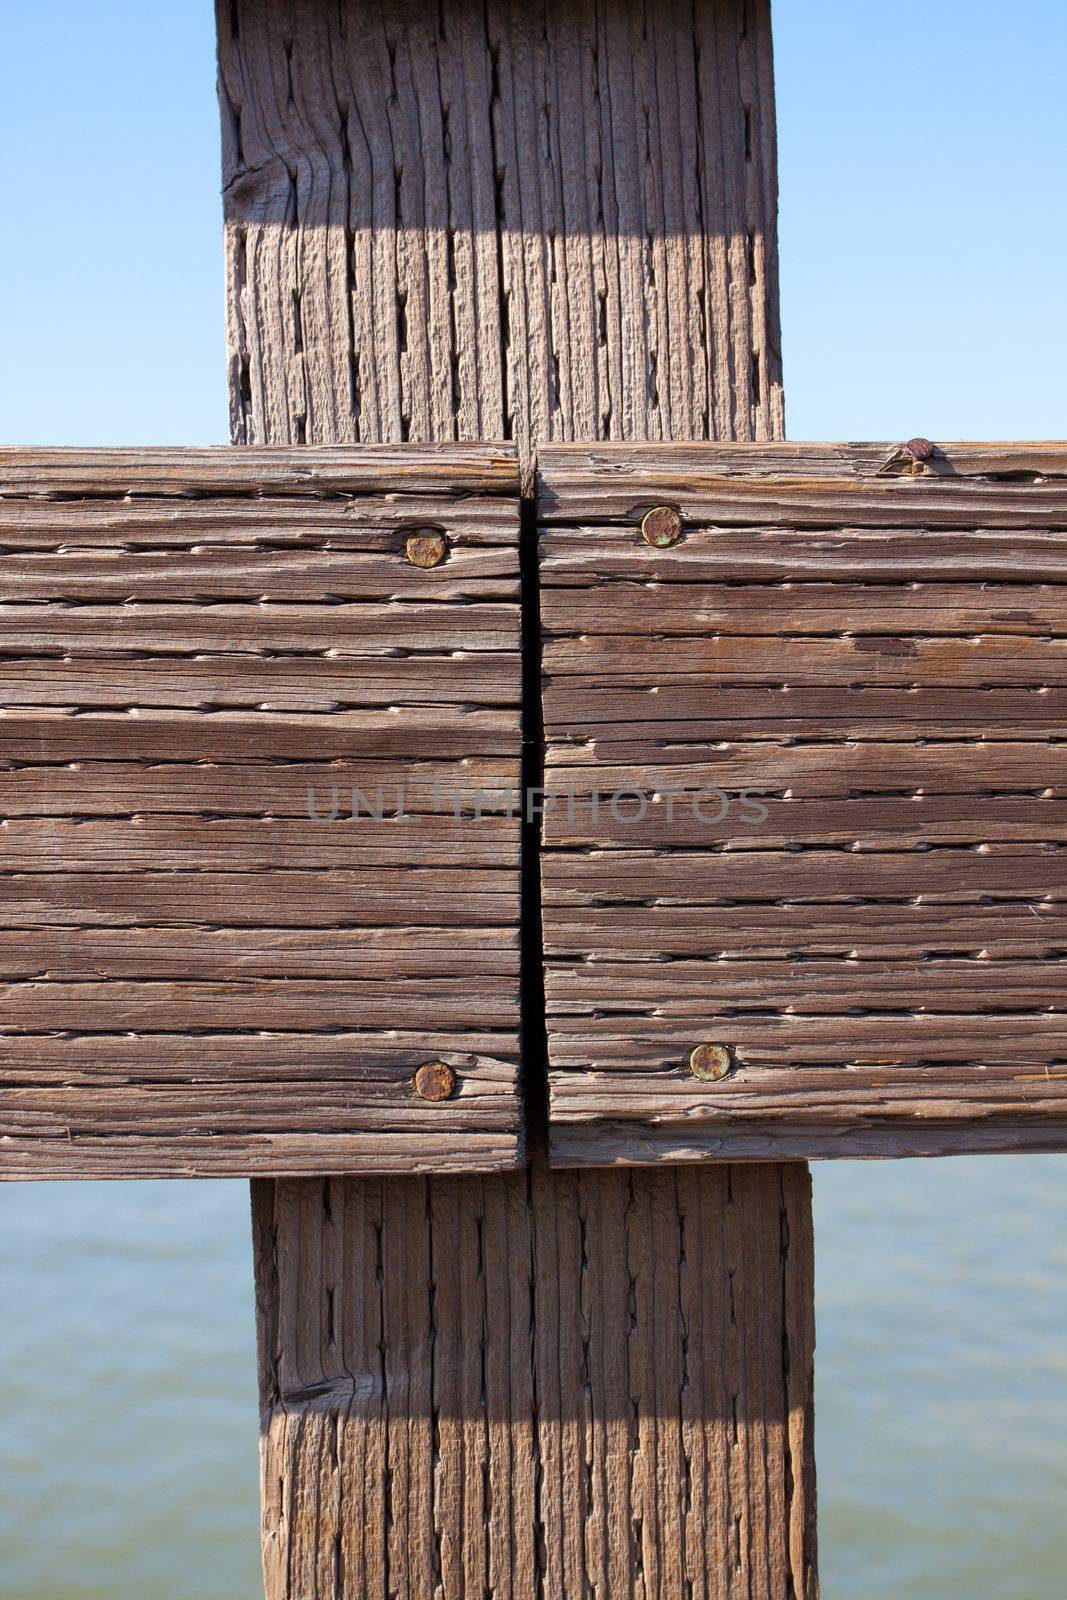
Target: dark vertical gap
355,385
487,1438
540,1550
241,424
699,175
586,1320
289,87
789,1485
534,1039
637,1514
450,241
354,394
500,212
265,1268
383,1397
435,1409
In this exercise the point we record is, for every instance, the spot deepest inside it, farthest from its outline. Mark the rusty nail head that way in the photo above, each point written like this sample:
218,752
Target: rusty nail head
710,1062
920,449
435,1081
426,549
661,527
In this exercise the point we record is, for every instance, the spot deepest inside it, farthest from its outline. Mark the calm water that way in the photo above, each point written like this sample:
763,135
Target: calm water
128,1439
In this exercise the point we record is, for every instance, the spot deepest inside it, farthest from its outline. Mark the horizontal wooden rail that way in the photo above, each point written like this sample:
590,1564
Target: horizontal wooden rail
804,876
259,718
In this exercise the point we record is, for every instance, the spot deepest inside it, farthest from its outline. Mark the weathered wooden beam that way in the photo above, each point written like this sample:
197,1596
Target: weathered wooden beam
195,976
477,221
881,966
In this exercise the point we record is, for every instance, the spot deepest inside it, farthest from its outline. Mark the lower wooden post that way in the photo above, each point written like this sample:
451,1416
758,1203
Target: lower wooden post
546,1384
486,220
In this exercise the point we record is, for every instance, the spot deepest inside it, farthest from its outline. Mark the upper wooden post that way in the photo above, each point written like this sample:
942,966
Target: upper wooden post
497,221
482,220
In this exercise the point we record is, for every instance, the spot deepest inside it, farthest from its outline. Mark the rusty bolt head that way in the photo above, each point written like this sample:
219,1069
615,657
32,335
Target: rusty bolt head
661,527
710,1062
426,549
920,449
435,1081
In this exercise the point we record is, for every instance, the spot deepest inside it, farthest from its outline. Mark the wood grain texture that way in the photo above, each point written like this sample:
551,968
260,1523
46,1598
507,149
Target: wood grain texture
564,1383
402,485
500,223
967,487
240,912
808,804
530,223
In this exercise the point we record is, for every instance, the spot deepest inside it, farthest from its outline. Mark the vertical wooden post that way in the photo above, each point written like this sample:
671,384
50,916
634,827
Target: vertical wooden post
492,220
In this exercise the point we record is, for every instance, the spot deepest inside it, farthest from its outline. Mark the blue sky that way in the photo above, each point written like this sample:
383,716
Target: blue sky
923,221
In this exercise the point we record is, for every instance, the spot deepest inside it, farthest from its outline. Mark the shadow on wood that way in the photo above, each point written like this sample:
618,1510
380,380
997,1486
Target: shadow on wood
567,1383
497,221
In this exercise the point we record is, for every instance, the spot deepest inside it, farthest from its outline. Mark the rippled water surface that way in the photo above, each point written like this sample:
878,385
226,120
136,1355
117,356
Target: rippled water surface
128,1443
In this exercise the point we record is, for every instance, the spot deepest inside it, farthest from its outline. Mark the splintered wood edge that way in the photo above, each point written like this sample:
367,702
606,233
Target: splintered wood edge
363,1154
266,470
619,459
619,1144
744,483
490,468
